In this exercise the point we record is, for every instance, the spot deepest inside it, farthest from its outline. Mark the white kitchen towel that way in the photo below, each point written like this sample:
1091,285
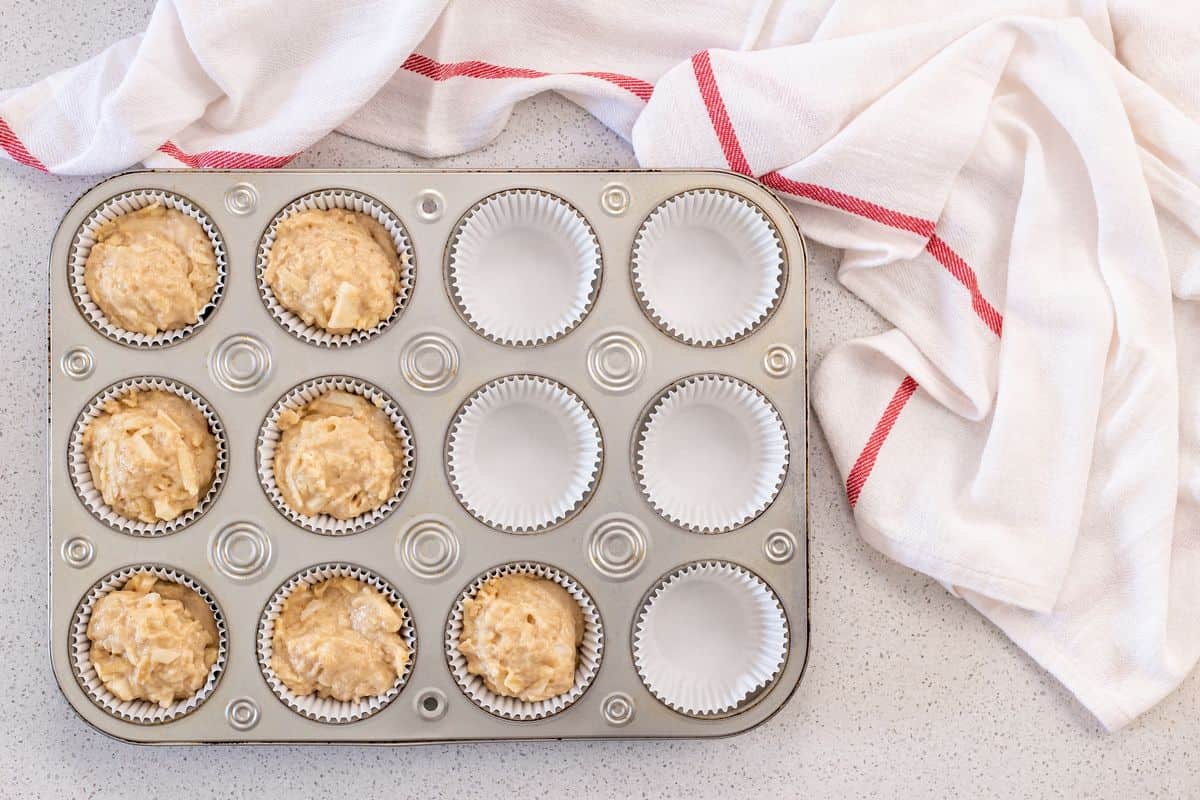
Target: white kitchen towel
1016,186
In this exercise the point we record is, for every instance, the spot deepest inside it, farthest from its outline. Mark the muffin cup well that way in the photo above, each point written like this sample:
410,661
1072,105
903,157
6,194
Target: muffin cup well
298,397
85,238
726,435
347,200
327,709
708,267
81,474
535,298
500,458
142,712
710,636
590,654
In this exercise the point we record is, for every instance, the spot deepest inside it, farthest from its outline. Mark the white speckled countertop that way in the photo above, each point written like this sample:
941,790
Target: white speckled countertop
908,693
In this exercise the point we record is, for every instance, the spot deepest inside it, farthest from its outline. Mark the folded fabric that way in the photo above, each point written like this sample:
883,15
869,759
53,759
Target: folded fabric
1016,187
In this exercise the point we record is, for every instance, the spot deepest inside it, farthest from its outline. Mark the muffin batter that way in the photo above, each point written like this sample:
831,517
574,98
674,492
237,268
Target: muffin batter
151,455
339,639
151,270
152,640
339,455
521,634
335,269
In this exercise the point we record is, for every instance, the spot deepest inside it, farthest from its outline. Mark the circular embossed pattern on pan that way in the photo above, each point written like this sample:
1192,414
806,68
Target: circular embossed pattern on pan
617,546
327,709
428,547
78,363
241,199
429,362
618,709
711,637
78,552
523,454
297,398
81,475
85,239
348,200
141,712
242,713
523,267
779,361
241,551
240,363
711,453
708,267
616,361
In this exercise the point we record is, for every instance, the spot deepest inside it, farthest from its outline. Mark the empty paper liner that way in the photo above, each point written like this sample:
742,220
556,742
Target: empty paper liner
523,453
523,267
709,637
711,453
708,267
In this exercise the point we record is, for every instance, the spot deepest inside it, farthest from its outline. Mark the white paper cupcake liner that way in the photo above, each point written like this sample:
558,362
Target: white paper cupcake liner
708,267
523,267
711,453
709,637
327,709
142,712
85,238
81,473
297,398
523,454
348,200
591,651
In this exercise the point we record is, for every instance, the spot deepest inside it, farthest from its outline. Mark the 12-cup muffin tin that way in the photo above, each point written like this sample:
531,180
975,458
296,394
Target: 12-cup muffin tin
600,377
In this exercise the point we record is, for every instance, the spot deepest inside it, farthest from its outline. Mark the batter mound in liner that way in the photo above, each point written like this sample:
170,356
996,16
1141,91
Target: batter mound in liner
521,635
335,269
151,270
339,455
152,640
151,455
341,639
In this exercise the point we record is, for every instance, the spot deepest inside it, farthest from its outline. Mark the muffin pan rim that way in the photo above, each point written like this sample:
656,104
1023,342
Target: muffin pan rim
399,724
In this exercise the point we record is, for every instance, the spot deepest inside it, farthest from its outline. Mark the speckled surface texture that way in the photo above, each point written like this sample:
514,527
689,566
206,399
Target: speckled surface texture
908,692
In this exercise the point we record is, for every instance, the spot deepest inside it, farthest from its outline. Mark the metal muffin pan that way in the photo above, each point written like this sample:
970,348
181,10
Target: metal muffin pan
430,360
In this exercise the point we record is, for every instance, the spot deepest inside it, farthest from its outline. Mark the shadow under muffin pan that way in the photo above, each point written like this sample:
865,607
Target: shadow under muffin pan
596,376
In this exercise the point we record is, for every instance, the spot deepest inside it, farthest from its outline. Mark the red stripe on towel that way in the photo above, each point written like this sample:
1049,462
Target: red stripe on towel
223,159
851,204
16,148
963,273
438,71
722,124
865,462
